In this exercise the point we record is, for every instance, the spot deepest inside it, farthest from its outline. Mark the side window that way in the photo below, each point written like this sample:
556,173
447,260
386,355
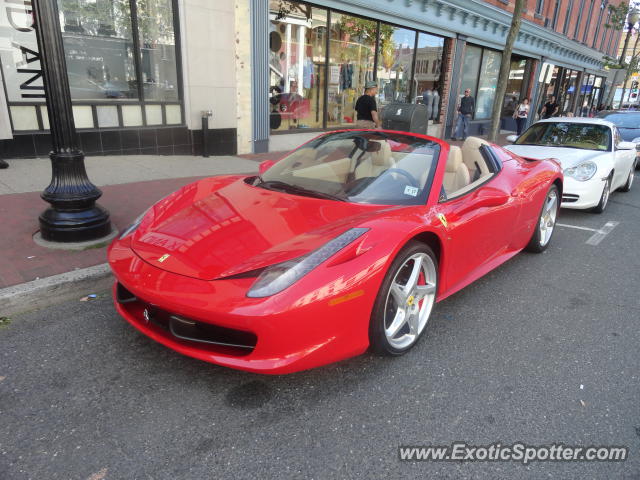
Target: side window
617,138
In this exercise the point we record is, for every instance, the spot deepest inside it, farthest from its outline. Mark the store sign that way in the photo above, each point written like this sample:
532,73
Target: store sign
19,52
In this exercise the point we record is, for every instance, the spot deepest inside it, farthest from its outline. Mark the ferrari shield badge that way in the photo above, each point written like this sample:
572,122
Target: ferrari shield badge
443,219
163,257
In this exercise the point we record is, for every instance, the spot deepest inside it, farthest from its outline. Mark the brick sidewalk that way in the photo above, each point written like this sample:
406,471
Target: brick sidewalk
21,260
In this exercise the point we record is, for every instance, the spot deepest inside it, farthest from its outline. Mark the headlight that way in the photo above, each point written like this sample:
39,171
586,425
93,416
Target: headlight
277,277
134,226
582,172
637,142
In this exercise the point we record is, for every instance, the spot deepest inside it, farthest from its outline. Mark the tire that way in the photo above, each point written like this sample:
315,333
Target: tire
627,186
604,198
401,312
546,222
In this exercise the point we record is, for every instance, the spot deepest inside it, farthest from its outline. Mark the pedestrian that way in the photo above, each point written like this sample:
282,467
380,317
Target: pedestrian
466,109
367,109
550,108
521,114
584,112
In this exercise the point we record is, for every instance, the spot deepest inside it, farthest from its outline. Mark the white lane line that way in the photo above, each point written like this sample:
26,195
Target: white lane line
576,227
597,237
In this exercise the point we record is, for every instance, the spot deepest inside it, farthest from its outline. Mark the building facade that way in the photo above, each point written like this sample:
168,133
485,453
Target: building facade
144,73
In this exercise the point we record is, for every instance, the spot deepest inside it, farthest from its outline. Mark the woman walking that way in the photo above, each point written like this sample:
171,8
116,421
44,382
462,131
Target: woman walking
521,114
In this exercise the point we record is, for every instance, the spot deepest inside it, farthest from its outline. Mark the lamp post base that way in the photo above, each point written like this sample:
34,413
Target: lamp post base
74,215
74,226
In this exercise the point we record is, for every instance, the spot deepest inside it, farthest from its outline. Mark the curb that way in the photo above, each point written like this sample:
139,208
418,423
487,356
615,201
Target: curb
48,291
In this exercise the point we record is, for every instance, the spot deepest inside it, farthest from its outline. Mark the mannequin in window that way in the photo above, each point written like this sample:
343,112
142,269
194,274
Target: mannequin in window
427,100
435,102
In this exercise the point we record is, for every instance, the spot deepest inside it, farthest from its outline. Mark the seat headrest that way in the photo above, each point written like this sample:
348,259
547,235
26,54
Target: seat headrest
454,160
474,142
382,156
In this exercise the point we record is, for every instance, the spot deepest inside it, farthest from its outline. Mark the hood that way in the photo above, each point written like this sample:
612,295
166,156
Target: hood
567,157
629,134
222,226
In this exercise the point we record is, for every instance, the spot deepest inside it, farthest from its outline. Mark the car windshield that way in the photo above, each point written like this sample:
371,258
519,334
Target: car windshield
570,135
624,120
358,166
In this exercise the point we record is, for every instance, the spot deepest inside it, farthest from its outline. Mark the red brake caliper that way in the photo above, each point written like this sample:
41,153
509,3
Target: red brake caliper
421,281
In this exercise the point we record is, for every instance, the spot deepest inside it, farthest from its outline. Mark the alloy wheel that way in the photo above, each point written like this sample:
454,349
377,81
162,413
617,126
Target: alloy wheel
548,217
606,192
410,300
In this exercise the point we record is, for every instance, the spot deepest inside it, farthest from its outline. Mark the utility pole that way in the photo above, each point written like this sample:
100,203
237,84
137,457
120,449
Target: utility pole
74,215
505,67
625,16
633,63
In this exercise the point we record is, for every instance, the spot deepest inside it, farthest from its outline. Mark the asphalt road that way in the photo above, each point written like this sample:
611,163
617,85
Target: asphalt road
84,396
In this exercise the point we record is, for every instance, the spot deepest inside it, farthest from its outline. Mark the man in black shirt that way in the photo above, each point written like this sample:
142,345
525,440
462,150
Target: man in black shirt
466,108
550,108
366,107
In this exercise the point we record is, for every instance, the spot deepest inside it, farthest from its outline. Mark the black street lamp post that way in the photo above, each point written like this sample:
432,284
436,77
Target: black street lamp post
74,215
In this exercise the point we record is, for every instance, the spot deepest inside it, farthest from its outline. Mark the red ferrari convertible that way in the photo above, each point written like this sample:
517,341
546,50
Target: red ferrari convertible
345,244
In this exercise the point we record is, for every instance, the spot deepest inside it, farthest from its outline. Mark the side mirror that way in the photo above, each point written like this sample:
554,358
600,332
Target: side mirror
266,165
626,146
512,138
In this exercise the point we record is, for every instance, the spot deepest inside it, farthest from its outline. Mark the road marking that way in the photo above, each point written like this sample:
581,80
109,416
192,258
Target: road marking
597,237
576,227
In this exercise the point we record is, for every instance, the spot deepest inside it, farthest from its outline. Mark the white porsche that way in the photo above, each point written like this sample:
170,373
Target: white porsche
594,158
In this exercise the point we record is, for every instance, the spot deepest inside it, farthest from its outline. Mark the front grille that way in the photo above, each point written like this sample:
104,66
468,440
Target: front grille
186,330
569,197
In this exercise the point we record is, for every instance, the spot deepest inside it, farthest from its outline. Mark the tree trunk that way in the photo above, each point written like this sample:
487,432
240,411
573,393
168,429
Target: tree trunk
505,67
612,90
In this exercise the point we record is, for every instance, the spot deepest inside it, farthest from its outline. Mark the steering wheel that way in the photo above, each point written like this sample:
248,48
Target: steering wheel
412,180
588,140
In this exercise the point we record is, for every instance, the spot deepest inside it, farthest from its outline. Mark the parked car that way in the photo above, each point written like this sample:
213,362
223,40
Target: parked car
595,159
344,244
628,123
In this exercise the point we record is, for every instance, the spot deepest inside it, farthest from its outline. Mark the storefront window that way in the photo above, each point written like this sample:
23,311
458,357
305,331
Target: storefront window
470,69
568,90
351,63
99,51
158,50
487,83
303,73
428,63
297,65
548,80
101,56
515,86
395,63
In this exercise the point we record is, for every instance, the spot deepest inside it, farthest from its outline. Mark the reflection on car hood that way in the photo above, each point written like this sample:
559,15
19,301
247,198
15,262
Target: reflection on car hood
222,226
568,157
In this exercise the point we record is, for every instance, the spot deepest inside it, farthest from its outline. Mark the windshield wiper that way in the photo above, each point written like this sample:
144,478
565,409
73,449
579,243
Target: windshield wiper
288,188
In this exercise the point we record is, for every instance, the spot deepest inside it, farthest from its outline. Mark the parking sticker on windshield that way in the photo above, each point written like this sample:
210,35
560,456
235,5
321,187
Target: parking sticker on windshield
409,190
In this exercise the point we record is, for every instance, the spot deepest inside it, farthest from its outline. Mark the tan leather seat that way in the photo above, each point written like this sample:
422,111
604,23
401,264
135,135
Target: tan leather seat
473,159
376,162
456,175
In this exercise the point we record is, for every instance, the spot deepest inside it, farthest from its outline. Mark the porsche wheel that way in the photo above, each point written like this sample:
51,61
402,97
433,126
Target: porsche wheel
627,186
546,222
405,300
604,198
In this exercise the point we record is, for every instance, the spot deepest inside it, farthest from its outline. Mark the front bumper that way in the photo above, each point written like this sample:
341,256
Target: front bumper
581,195
300,328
